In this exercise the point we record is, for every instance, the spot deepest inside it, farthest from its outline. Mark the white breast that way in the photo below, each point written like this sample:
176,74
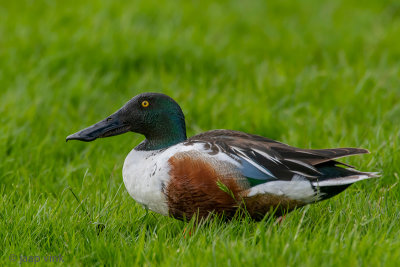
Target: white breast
144,176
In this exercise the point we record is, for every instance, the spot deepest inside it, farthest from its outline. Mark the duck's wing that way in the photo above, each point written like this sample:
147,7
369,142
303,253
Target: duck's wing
261,159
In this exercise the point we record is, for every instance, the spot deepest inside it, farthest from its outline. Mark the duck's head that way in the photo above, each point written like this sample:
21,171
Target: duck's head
157,116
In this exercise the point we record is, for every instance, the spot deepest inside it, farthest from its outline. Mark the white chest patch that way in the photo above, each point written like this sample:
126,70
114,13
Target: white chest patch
145,175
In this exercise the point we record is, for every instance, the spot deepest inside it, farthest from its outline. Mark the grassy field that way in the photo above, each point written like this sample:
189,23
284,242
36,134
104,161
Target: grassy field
313,74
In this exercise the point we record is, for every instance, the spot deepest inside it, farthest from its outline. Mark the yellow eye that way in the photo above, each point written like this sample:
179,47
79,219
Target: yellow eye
145,103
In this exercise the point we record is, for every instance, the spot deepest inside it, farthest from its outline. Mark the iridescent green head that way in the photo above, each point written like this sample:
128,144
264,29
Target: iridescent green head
157,116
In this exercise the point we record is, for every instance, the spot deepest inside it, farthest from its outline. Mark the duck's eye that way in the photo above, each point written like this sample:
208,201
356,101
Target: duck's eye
145,103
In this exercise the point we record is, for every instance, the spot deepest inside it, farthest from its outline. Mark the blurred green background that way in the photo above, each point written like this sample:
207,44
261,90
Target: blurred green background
314,74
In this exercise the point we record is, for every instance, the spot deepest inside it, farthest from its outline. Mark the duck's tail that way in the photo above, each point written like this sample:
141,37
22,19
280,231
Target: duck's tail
335,179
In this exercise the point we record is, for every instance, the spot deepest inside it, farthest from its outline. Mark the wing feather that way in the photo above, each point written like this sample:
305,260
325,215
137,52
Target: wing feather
261,158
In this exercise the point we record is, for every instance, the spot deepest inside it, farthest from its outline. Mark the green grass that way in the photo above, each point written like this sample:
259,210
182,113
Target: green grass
314,74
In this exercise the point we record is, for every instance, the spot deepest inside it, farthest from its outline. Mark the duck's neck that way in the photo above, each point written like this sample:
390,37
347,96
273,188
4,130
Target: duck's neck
169,132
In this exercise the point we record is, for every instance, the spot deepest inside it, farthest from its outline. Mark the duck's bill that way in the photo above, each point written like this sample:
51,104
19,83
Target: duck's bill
108,127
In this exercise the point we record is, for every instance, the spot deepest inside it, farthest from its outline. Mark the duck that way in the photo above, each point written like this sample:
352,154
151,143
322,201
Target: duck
218,172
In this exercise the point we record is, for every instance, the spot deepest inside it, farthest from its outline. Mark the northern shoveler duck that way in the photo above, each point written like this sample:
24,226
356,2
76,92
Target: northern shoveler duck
217,171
